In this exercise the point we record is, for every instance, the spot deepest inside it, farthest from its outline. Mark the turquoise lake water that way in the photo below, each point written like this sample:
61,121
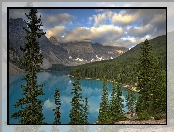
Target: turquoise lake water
60,80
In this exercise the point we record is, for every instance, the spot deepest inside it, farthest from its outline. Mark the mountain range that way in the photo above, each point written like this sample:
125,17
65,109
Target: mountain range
71,53
126,64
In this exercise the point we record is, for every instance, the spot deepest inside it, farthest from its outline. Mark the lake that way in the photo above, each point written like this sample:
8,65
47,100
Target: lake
60,80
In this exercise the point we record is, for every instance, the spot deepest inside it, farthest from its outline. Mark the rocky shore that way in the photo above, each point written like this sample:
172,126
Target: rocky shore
133,120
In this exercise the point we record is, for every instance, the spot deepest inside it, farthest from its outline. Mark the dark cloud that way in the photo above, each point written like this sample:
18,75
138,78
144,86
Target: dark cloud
50,17
57,19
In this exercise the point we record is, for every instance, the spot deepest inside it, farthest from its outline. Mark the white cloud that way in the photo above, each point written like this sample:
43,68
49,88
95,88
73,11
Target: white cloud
88,91
49,104
56,31
123,18
140,31
66,100
104,28
99,18
93,106
102,34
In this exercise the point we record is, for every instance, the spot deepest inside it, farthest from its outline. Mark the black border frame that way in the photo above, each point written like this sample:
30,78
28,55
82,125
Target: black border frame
8,8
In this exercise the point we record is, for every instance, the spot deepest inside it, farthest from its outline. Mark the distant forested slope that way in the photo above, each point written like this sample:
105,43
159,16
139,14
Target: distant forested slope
125,64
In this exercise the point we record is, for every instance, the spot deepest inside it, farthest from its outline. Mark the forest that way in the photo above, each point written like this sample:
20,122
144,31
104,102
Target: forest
144,66
126,64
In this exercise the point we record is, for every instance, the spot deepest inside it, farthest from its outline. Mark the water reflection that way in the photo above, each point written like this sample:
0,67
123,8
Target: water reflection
60,80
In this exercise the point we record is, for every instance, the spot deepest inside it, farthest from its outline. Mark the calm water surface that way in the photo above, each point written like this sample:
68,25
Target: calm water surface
60,80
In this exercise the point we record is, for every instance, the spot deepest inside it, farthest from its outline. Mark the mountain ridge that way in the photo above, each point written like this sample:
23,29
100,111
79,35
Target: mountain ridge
125,64
55,52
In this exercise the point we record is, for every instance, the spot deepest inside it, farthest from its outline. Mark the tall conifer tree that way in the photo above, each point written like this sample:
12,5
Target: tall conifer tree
57,110
144,77
158,92
77,112
32,113
116,106
86,120
130,101
150,83
113,103
119,104
103,116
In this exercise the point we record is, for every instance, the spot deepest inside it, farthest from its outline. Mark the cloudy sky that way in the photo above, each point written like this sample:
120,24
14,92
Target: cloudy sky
118,27
170,28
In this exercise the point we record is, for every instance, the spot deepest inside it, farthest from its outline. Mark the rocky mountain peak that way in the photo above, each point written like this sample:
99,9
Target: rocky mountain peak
54,40
67,53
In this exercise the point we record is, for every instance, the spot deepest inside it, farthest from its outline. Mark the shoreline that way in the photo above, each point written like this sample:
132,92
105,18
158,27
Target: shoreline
124,85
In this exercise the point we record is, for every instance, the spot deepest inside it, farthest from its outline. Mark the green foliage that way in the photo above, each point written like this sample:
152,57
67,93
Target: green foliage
120,106
57,110
86,112
77,113
60,67
125,64
32,113
158,93
104,115
113,103
145,78
151,83
116,106
143,116
159,116
130,100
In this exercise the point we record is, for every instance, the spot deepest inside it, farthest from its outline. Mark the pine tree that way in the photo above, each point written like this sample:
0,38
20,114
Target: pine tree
120,101
158,93
144,79
130,101
86,112
57,110
103,116
149,83
116,106
32,113
113,103
77,112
